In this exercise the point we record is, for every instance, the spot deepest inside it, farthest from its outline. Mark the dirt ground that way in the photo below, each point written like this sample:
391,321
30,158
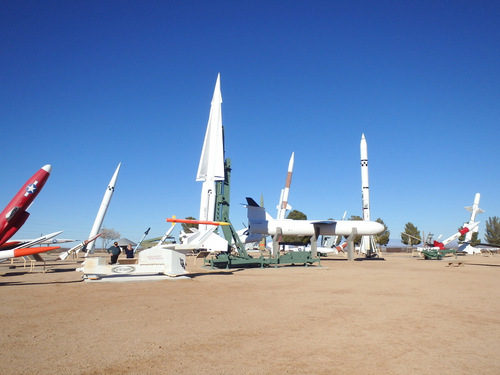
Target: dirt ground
403,315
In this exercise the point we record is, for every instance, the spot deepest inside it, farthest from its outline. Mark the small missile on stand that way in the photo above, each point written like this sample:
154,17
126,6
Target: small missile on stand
189,221
82,246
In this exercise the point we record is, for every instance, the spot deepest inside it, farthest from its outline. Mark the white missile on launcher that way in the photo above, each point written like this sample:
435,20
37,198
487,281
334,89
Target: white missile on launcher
260,223
440,245
367,245
96,228
211,167
76,249
474,210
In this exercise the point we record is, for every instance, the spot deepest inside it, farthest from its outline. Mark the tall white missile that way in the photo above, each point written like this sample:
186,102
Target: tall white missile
284,206
102,210
365,184
367,242
474,210
211,167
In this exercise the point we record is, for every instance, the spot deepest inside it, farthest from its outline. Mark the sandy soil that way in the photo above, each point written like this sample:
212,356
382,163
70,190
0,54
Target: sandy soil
403,315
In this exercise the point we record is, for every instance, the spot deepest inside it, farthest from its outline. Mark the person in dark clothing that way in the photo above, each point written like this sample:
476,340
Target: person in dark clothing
115,251
129,251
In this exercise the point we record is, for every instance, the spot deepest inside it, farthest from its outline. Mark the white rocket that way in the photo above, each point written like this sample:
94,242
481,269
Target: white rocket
211,167
474,210
365,184
468,228
367,242
284,206
102,210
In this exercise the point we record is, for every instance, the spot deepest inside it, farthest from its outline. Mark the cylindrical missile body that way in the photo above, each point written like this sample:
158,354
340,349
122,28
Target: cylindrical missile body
102,209
365,184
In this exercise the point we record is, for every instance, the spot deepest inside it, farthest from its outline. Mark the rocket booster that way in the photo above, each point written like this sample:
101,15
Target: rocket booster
284,206
102,210
211,167
365,184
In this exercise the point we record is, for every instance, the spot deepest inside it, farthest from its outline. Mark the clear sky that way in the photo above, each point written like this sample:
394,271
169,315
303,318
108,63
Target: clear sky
88,84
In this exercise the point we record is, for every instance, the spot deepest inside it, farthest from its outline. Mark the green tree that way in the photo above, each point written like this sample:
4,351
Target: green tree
383,238
297,215
492,235
185,227
412,235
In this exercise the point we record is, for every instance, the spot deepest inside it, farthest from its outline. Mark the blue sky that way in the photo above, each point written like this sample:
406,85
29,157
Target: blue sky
86,85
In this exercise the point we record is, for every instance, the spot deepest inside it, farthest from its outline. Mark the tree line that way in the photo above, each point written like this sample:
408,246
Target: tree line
410,236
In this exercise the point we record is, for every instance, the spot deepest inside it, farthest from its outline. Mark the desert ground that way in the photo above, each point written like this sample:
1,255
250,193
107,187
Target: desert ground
402,315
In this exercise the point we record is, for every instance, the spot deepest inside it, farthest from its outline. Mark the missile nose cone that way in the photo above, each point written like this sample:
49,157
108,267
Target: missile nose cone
363,144
47,168
377,228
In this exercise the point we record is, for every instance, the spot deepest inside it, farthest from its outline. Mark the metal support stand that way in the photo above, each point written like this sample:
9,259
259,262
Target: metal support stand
350,244
276,243
314,242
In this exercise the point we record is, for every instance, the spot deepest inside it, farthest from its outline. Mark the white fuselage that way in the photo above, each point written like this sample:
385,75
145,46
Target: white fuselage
306,227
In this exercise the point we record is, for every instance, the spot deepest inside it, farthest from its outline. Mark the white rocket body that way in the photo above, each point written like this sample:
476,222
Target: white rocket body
365,184
474,210
284,206
367,242
103,209
211,167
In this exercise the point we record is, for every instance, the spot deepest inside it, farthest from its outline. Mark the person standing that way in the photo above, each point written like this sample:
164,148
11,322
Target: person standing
114,251
129,251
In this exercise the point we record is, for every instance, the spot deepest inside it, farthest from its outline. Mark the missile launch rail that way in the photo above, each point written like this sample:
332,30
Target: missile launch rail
243,259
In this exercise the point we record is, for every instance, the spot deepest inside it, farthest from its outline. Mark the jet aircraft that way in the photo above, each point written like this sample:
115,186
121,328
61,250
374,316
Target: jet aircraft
15,215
